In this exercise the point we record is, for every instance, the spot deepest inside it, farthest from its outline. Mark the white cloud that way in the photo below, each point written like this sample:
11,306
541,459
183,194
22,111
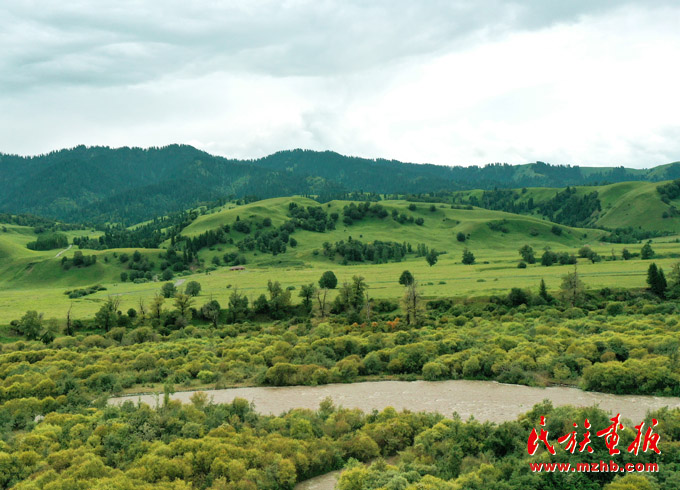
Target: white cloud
444,82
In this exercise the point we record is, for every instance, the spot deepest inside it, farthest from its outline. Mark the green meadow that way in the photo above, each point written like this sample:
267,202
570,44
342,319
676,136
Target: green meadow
36,280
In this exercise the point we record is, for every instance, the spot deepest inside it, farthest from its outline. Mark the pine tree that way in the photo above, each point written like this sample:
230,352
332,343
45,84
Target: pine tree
656,280
543,292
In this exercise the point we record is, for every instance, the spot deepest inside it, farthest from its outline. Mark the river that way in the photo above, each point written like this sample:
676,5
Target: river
485,400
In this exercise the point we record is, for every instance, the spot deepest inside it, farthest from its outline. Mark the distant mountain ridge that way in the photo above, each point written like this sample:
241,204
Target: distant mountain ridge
133,184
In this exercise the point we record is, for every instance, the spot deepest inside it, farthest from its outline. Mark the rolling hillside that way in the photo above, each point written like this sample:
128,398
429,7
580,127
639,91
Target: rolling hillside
438,231
626,204
29,278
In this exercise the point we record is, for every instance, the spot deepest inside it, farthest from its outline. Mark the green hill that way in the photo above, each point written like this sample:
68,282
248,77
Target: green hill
128,185
439,230
634,204
36,279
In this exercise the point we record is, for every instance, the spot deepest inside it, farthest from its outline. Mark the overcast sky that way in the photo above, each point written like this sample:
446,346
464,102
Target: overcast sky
449,82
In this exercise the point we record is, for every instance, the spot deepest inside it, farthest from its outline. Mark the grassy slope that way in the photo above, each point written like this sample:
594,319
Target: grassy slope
495,273
21,268
634,204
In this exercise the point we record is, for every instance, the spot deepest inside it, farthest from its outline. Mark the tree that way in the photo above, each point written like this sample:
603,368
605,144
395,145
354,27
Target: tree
238,306
548,258
572,288
49,333
192,288
141,308
674,280
351,297
460,236
468,257
432,257
657,280
69,324
328,280
30,325
279,299
406,278
107,316
412,304
321,295
543,292
183,303
157,305
168,290
211,312
307,293
518,296
527,254
78,258
646,252
625,254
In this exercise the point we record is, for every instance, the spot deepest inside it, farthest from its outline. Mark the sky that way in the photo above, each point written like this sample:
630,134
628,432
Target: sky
457,82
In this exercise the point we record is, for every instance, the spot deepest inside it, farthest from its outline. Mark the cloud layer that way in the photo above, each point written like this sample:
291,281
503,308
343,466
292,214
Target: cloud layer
456,83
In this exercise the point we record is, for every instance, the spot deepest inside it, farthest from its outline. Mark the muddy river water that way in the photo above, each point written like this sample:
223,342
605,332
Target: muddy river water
485,400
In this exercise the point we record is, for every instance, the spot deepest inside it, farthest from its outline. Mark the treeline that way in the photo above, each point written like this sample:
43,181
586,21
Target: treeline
669,191
566,207
39,223
146,235
78,260
377,252
48,241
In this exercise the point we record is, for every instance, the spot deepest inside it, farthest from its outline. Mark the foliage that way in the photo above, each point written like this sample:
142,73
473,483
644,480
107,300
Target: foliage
168,290
193,288
48,241
406,278
646,252
328,280
657,280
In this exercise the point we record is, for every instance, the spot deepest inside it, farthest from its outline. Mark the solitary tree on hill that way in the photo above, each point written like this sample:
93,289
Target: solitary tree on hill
646,252
406,278
432,257
468,257
527,254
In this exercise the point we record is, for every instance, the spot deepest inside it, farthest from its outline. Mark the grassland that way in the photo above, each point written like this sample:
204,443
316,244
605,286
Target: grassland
625,204
36,280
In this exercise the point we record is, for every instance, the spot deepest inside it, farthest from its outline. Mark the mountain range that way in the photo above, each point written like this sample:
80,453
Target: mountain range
103,184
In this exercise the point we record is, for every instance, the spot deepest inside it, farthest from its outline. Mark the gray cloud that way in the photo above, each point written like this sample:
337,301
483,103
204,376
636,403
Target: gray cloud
243,78
125,42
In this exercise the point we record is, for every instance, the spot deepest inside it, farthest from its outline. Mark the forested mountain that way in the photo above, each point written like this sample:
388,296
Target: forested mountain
128,185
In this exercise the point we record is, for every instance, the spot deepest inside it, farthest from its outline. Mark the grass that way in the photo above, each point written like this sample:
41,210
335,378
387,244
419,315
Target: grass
625,204
36,280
